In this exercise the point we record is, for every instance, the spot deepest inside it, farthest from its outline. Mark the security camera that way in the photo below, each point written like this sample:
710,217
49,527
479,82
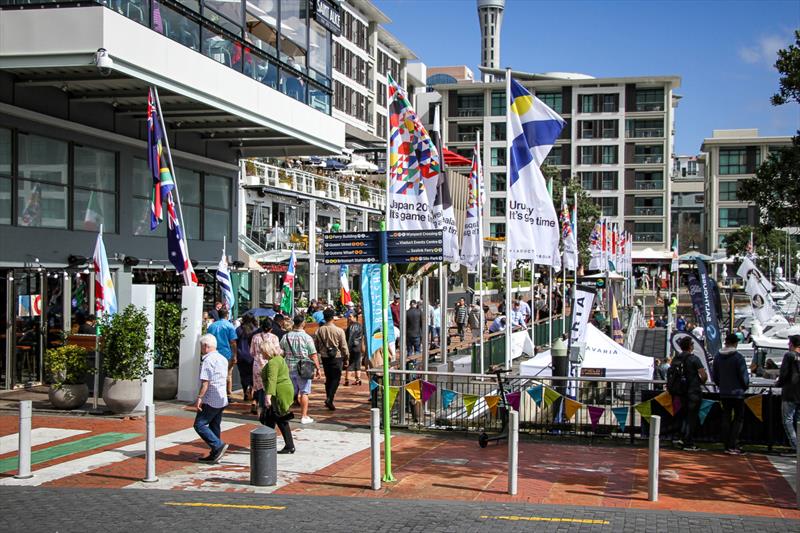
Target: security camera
103,62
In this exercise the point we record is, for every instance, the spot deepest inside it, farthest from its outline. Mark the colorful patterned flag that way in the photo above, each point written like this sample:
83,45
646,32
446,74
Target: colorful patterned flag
104,297
444,217
157,162
287,302
533,230
568,235
344,281
224,281
32,215
472,242
414,166
176,246
595,247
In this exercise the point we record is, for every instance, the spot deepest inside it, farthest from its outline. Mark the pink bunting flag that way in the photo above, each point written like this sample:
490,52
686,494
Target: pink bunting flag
594,415
513,399
427,390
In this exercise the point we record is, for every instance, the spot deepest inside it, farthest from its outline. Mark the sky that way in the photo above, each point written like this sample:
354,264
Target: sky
723,50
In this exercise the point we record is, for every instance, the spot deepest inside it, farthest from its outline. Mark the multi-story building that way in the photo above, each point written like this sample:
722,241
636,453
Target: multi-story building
618,142
236,79
687,208
490,19
732,157
439,75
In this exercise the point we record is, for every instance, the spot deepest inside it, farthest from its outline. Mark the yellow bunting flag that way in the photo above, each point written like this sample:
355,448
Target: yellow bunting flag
469,402
665,400
413,389
550,396
491,403
570,406
393,391
644,409
755,403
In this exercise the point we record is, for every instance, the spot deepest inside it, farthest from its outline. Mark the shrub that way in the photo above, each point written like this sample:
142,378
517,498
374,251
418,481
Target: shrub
168,333
124,344
67,365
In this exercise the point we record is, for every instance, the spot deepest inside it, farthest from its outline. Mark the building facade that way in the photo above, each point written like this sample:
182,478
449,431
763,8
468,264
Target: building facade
687,208
732,156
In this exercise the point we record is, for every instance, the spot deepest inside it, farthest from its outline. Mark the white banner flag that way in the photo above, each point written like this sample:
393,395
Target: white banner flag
582,303
471,252
758,289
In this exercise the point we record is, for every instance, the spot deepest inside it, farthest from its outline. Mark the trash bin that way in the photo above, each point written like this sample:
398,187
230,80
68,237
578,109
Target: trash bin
263,457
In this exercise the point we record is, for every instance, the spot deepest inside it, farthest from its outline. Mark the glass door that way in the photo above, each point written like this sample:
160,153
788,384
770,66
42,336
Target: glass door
6,327
29,327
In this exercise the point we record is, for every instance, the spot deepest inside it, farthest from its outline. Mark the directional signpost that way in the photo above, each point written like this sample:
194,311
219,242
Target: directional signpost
354,248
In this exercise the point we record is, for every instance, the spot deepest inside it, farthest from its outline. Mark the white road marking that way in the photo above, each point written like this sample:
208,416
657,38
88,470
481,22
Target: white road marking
39,436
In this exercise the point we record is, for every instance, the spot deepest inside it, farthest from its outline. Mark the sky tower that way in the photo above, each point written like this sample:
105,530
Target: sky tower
490,16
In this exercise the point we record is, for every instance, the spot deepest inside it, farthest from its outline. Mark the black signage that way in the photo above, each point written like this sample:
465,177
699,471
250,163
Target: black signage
356,248
363,247
593,372
419,246
327,14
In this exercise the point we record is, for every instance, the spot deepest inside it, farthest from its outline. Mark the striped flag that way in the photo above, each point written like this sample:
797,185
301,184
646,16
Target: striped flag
287,302
176,246
157,161
104,297
596,247
568,235
471,241
344,280
224,281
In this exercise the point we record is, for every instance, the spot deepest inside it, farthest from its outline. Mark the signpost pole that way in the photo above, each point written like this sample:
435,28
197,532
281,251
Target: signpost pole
387,417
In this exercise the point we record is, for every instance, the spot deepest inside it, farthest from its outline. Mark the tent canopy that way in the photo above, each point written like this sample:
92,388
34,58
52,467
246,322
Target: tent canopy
601,352
452,159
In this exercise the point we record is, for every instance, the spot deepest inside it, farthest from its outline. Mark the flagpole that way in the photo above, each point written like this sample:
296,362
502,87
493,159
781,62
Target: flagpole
550,282
387,419
479,186
443,274
509,269
564,269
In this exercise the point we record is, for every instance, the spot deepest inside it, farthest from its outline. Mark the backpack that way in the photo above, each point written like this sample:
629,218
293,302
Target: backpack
677,384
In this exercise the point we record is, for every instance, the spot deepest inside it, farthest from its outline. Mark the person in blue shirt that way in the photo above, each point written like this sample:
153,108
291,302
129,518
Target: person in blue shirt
319,315
680,323
225,334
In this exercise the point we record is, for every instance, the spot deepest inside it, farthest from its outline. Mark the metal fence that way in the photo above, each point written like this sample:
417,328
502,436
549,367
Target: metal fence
550,421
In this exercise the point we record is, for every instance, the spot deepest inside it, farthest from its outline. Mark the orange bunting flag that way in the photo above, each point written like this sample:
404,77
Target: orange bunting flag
393,391
469,402
570,407
491,403
550,396
756,405
413,389
644,409
665,400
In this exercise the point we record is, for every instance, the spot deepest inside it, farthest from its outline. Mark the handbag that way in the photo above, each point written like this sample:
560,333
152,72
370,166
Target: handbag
305,367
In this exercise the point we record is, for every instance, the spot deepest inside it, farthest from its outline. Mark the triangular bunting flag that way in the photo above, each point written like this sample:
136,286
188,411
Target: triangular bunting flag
491,403
536,394
676,405
570,406
427,390
705,407
594,415
373,385
755,403
393,391
447,397
413,389
513,398
621,414
665,400
469,402
550,396
644,409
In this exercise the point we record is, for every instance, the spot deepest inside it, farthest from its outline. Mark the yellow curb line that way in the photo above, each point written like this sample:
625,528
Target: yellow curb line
226,506
547,519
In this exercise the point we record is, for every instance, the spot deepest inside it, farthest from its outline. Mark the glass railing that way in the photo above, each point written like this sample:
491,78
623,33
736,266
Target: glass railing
641,159
466,137
648,211
647,237
650,106
638,133
470,112
648,184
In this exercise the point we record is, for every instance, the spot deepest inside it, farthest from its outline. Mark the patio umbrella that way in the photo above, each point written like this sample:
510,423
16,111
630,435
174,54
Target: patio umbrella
334,164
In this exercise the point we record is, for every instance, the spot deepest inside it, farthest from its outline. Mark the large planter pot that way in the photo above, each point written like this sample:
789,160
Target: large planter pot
165,383
122,395
68,396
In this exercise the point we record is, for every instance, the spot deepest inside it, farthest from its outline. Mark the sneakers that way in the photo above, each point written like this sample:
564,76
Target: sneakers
217,457
207,459
734,451
306,420
691,448
329,405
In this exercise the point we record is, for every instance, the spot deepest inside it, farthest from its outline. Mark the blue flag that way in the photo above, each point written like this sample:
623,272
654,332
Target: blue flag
371,301
447,397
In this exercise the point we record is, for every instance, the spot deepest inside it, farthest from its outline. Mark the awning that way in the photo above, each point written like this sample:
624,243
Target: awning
452,159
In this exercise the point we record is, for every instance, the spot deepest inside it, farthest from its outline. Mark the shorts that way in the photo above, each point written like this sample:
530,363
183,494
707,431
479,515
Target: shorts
301,385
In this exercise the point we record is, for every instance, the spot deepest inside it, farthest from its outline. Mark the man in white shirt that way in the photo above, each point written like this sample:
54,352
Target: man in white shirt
698,332
525,309
212,398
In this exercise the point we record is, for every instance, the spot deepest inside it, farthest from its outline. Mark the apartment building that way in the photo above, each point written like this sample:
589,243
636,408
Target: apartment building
687,207
732,156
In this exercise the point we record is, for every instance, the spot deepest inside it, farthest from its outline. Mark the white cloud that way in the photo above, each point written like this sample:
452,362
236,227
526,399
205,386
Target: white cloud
764,51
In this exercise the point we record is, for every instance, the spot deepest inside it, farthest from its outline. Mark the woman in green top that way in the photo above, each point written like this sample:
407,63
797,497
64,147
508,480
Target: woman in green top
278,397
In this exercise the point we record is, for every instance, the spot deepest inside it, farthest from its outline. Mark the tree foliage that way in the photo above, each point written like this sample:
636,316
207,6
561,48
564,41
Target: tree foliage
767,244
168,333
788,64
124,344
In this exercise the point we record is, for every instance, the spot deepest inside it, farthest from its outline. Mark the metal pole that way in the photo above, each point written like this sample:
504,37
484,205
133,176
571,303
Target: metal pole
509,266
403,341
375,445
480,245
96,386
550,308
533,304
150,430
426,326
513,451
443,338
652,463
25,415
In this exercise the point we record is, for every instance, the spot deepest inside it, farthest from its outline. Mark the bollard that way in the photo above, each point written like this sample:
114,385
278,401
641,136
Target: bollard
513,450
652,465
150,453
375,443
263,457
25,415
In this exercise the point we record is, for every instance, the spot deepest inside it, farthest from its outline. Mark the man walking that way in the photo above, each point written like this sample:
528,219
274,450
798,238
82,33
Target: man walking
413,329
298,345
732,379
355,341
474,321
211,400
461,317
332,347
225,334
685,378
435,327
789,382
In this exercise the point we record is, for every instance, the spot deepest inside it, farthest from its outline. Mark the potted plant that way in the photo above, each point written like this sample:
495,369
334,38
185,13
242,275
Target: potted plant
364,193
67,367
168,333
124,347
284,180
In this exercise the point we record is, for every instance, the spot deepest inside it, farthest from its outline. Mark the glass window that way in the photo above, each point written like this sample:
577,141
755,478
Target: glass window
191,220
497,229
648,232
610,103
732,217
319,57
609,155
648,205
218,192
91,208
216,224
222,49
728,191
137,10
5,152
319,99
587,155
599,181
498,181
262,24
554,157
649,99
5,201
498,103
471,105
648,180
232,10
95,169
587,101
648,154
41,205
497,207
43,159
293,33
608,206
141,220
141,180
498,131
552,100
188,182
732,161
498,156
174,25
293,86
467,132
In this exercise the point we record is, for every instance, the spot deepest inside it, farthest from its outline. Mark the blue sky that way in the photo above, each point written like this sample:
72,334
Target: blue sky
723,50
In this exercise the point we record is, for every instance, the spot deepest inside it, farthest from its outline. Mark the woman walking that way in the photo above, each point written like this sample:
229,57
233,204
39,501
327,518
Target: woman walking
278,396
355,339
244,361
263,340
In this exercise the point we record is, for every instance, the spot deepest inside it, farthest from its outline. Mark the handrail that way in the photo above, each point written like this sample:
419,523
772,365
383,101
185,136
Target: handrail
399,372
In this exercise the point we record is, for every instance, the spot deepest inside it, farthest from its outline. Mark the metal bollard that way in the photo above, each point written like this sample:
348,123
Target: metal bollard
513,450
375,443
652,463
150,454
25,415
263,457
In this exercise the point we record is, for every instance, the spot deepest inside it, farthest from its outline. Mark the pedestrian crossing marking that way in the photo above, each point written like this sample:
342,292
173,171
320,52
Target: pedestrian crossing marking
68,448
227,506
548,519
39,436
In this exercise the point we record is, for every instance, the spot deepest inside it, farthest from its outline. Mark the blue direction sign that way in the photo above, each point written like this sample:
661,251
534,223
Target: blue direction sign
363,247
417,246
353,248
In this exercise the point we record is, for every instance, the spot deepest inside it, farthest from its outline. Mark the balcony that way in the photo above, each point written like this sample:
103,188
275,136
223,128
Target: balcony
322,187
469,112
643,133
648,185
648,211
647,237
466,137
641,159
649,107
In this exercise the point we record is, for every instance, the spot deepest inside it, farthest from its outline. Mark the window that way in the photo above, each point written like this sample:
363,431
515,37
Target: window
648,180
470,105
217,207
722,240
692,167
587,103
221,49
498,157
732,217
648,206
732,161
644,128
42,184
177,27
608,206
319,57
552,100
230,10
293,86
728,191
649,99
554,157
5,171
94,200
648,232
647,154
609,155
498,131
466,132
498,103
497,207
610,129
497,230
610,103
497,181
587,155
587,129
599,181
319,99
